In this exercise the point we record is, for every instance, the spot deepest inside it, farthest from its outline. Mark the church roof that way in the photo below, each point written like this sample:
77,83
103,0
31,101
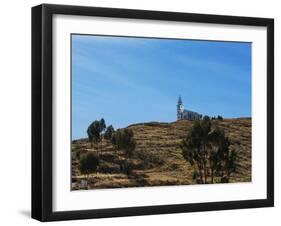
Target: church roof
188,111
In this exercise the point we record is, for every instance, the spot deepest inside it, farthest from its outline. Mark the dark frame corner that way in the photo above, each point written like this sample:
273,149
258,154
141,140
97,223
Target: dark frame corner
42,111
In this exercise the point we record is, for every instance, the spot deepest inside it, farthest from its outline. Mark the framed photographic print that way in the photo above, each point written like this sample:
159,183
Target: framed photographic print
145,112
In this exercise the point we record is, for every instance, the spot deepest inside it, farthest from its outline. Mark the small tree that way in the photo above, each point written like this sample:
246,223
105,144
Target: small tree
124,140
220,117
88,164
109,132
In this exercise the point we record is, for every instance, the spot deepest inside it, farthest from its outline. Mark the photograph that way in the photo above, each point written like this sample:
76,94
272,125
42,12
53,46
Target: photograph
148,111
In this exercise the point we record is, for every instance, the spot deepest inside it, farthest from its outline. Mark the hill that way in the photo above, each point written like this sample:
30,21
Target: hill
158,159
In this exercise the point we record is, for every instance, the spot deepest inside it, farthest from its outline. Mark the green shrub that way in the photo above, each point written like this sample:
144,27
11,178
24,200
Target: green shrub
88,163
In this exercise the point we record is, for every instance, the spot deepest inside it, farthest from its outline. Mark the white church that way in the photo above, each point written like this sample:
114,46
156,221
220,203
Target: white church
186,114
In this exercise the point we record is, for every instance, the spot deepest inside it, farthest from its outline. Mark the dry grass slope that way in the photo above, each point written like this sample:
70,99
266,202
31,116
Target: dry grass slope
157,160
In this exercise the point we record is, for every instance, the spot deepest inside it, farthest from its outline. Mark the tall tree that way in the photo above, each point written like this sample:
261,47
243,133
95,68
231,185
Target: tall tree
194,147
95,130
207,150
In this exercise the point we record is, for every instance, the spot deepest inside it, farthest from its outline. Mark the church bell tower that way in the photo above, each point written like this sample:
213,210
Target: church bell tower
180,109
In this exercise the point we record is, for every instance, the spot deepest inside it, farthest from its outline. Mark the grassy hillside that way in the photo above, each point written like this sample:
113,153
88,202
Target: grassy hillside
158,159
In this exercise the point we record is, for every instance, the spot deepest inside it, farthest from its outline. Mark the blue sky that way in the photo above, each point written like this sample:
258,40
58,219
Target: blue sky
129,80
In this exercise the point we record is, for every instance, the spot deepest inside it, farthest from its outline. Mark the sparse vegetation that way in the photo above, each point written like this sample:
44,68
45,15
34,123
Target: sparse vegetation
157,157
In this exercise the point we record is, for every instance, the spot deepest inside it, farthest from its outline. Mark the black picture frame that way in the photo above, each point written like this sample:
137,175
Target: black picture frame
42,111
